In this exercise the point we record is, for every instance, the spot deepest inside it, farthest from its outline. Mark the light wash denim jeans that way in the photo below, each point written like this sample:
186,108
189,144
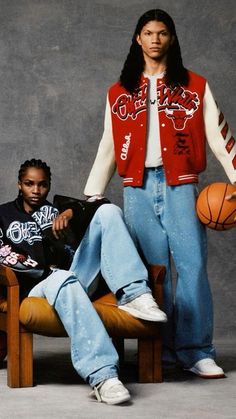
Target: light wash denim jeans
106,247
162,221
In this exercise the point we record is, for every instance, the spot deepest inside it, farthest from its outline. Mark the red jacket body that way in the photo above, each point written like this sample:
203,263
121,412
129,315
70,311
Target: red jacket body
182,133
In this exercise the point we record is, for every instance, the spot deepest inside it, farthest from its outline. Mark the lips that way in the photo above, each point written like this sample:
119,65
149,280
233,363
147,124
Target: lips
34,199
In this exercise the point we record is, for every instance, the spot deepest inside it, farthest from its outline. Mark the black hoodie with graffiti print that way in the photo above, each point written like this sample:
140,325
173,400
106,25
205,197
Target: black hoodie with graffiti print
27,244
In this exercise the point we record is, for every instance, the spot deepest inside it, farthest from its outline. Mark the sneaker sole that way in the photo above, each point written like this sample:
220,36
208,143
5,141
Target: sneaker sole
142,316
117,400
209,376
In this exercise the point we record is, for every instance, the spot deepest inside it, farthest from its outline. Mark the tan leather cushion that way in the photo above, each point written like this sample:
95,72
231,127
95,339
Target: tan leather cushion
39,317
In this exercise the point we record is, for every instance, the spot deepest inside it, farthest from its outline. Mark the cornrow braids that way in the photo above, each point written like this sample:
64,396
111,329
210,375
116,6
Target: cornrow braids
38,164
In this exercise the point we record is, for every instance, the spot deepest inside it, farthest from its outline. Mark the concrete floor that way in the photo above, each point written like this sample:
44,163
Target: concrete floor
60,393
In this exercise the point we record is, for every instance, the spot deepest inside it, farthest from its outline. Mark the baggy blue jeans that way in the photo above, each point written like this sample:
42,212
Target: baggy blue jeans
162,221
106,247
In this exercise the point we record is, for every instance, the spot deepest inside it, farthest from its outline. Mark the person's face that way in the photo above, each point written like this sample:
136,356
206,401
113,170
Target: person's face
155,40
34,187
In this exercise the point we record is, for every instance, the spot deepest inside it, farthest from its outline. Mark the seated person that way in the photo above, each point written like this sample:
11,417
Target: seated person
103,244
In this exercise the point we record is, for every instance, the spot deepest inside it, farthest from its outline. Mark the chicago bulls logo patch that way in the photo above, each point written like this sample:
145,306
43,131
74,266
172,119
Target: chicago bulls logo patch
178,104
179,117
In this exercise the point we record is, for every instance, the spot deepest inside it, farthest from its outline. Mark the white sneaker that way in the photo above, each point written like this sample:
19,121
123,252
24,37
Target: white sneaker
207,368
144,307
111,391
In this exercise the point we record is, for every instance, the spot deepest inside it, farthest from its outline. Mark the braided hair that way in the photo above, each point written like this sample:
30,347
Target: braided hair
38,164
176,73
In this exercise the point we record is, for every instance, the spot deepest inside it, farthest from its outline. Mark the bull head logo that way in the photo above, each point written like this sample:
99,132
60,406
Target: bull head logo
179,117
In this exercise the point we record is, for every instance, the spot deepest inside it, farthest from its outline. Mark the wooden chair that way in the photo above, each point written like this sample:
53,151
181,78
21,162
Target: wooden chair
19,320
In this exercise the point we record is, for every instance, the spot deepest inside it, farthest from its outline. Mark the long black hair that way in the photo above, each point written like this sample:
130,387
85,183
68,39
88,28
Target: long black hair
176,73
38,164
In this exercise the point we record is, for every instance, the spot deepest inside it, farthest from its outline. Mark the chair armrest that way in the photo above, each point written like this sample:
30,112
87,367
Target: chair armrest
9,280
156,277
8,277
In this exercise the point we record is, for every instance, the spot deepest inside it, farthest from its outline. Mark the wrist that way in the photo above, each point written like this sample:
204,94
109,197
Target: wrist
95,197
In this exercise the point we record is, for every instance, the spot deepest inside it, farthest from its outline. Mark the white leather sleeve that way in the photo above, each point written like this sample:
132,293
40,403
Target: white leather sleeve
218,135
104,164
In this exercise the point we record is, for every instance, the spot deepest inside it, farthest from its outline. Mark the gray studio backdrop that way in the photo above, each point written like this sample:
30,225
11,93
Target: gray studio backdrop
57,59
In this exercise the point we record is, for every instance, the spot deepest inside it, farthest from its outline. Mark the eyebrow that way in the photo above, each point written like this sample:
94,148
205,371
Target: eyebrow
153,31
32,180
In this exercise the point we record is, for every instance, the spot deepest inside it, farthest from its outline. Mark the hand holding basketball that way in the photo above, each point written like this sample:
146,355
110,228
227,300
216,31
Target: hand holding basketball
231,196
216,206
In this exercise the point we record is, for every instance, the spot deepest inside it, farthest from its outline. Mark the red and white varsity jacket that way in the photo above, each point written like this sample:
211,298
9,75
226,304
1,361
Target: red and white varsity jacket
187,117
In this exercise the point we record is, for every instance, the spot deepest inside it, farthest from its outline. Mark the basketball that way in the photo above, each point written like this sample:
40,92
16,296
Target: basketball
213,209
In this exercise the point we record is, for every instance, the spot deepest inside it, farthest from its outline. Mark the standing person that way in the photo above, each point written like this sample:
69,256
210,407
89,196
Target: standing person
158,117
25,227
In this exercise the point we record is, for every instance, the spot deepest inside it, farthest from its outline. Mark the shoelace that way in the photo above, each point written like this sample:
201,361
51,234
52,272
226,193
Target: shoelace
97,388
96,391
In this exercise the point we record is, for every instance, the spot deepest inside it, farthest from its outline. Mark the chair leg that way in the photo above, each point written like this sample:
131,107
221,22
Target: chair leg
26,358
119,344
149,360
3,345
13,367
13,355
157,360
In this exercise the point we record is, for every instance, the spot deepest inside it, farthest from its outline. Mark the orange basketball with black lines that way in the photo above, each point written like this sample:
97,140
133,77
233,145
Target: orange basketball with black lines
213,209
